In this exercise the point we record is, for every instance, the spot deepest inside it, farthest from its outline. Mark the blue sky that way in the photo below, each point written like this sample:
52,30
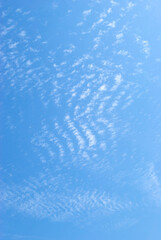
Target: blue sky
80,120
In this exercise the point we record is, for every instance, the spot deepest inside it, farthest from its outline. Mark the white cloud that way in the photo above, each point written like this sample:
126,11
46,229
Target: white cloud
28,63
87,12
22,34
59,75
119,36
144,44
70,49
75,131
109,10
122,52
112,24
85,93
152,183
118,81
13,45
103,87
130,5
114,3
90,136
41,198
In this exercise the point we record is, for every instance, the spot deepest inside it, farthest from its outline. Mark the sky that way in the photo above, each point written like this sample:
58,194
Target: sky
80,130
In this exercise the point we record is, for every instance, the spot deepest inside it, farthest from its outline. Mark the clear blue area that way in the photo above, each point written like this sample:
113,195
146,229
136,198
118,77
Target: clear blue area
80,120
